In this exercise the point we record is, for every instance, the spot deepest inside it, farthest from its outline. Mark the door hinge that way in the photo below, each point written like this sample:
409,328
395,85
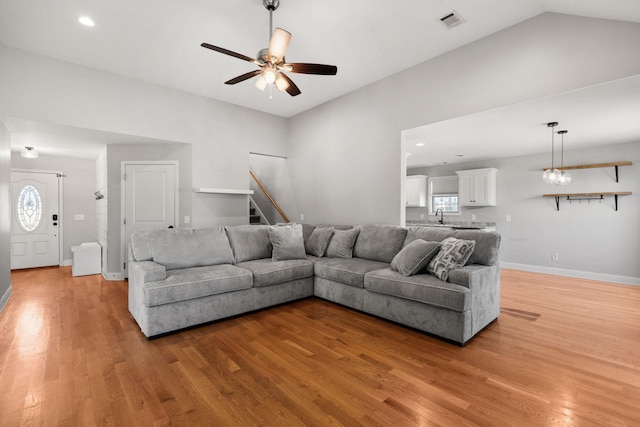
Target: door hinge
124,221
124,265
124,177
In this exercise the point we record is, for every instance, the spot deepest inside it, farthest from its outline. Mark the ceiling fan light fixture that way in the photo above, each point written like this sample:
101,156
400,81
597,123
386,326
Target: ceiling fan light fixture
261,83
279,43
270,75
281,83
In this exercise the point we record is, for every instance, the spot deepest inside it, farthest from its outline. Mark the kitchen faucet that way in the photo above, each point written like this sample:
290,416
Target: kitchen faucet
441,220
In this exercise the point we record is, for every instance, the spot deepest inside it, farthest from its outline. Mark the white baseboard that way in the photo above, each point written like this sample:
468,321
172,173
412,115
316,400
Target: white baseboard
626,280
5,298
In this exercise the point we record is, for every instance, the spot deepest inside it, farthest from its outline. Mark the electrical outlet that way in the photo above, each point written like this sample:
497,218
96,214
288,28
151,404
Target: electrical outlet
187,220
473,217
301,217
78,217
554,256
507,218
421,216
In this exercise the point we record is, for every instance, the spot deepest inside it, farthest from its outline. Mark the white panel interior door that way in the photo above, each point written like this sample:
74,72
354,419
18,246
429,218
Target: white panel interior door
35,219
150,199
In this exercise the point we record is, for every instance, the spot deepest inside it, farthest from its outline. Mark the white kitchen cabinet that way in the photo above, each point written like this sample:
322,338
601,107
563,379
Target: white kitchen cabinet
416,191
477,187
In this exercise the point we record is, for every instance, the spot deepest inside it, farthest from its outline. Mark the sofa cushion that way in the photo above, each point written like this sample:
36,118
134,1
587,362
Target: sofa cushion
430,234
249,242
189,283
267,272
185,248
414,257
287,242
379,242
319,241
423,288
487,246
349,271
341,243
453,253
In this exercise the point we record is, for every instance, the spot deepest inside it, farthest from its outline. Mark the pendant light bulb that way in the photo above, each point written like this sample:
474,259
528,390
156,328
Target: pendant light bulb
269,75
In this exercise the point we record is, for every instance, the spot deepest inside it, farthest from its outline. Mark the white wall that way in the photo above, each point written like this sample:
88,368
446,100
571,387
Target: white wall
5,215
78,198
38,88
591,239
345,156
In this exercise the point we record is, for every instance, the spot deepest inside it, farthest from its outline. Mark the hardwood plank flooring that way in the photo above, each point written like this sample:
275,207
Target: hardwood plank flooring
564,352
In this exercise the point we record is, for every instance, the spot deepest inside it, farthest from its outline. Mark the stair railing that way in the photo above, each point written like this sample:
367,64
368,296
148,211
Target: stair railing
266,193
255,205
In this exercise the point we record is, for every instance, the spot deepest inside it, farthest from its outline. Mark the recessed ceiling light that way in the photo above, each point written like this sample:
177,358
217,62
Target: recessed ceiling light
86,21
419,144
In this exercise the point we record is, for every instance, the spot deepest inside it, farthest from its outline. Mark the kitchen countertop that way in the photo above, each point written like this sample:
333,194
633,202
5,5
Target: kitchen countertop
451,224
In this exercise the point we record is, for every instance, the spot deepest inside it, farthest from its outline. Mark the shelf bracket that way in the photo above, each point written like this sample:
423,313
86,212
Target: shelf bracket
616,166
615,196
557,202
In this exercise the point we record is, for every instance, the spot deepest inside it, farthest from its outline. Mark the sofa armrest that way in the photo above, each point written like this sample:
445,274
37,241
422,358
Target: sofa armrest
146,271
484,283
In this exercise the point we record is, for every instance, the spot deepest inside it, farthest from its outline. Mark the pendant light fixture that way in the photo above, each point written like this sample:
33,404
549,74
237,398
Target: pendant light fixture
564,177
551,175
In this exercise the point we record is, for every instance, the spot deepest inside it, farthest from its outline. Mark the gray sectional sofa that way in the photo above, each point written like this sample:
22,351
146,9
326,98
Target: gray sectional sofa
179,278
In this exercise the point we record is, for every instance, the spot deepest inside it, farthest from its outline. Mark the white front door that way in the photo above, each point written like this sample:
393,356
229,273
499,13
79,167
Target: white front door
35,219
150,199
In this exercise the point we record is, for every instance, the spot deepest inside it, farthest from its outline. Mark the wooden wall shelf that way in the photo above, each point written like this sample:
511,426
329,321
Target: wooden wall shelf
587,196
597,165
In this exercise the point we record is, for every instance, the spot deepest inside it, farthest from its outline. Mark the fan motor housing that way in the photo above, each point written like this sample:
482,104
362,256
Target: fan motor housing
271,4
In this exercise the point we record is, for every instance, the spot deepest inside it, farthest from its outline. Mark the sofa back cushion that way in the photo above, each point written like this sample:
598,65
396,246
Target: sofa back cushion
486,248
379,242
249,242
182,248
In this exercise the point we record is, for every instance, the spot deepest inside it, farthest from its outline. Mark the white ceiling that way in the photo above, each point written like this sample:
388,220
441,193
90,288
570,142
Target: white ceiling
608,113
158,41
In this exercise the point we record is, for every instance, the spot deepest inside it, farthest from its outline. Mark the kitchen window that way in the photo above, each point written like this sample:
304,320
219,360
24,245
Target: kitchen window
443,194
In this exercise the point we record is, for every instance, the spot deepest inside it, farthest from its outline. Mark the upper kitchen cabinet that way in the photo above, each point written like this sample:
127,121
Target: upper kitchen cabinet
477,187
416,189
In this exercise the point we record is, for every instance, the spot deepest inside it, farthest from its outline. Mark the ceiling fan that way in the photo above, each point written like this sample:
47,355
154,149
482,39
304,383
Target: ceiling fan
272,62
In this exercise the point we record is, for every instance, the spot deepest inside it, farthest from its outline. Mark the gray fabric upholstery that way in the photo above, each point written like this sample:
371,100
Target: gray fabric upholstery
318,242
423,288
267,272
414,257
287,242
347,295
249,242
456,310
341,243
184,248
487,246
453,253
379,242
188,283
349,271
307,229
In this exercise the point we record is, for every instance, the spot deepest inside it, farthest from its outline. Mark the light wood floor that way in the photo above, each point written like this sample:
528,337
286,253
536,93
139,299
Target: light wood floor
563,352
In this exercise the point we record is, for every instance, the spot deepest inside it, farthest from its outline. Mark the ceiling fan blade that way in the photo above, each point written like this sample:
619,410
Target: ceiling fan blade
292,90
279,43
325,70
229,52
243,77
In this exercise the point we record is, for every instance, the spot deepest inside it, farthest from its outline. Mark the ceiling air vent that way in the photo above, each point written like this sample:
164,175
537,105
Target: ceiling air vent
452,19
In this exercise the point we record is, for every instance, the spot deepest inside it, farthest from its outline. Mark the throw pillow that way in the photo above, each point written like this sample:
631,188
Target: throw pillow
341,243
414,257
318,241
287,242
453,253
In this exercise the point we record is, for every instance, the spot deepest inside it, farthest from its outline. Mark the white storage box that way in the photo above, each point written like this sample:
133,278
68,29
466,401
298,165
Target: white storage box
87,259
